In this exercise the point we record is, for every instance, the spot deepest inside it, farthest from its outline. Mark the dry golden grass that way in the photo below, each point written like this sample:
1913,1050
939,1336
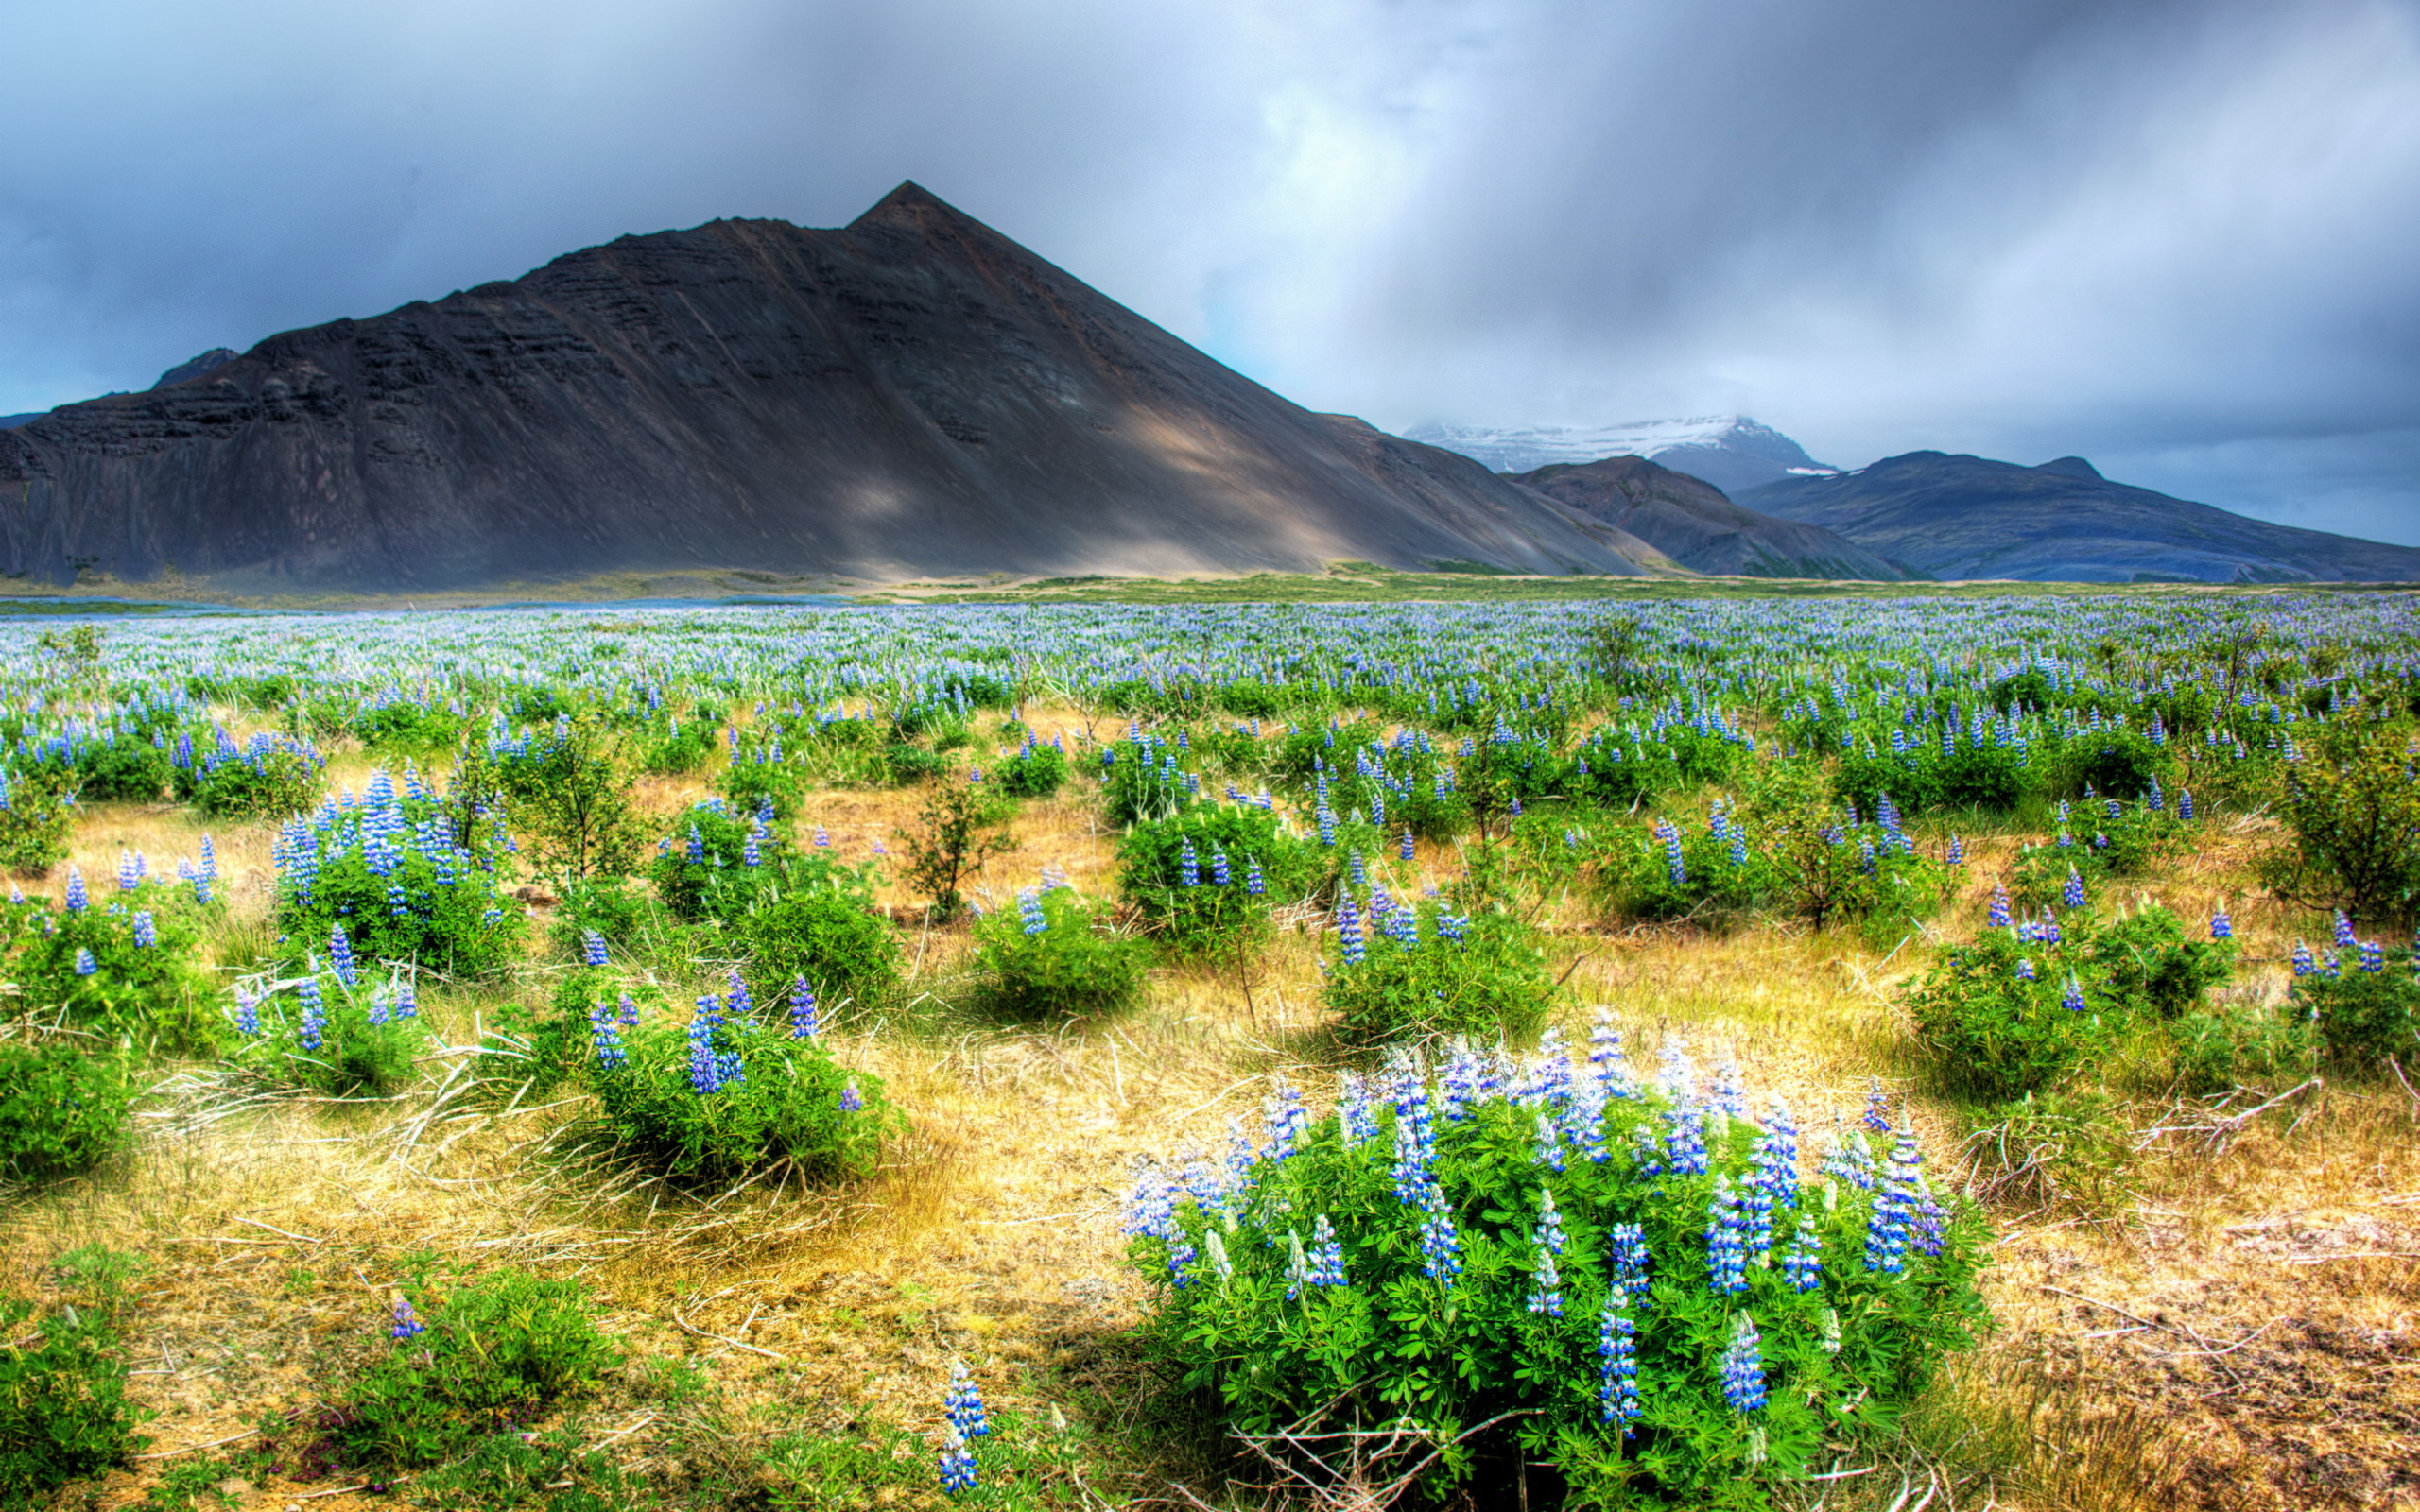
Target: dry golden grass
2235,1334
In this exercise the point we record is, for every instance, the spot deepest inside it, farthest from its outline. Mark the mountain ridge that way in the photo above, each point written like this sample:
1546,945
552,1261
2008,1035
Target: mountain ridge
911,394
1700,527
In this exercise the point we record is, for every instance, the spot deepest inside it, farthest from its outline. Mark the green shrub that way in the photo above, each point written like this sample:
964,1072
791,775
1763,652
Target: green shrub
342,1031
2219,1050
626,917
2154,964
1455,1261
1671,872
268,777
2120,763
1242,862
1055,957
468,1358
676,749
1420,971
1142,781
1997,1034
2354,809
37,812
2106,839
552,1471
129,966
113,766
569,793
725,1095
409,729
827,935
959,826
1037,771
63,1104
63,1411
759,782
411,875
1812,865
906,765
2364,1015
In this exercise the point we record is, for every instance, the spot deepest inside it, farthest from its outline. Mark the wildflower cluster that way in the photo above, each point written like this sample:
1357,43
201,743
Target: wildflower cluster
412,876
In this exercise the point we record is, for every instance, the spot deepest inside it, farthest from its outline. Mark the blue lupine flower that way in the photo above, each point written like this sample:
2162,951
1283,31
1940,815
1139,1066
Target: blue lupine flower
147,933
2024,970
406,1324
630,1011
705,1063
1327,1254
803,1020
1287,1120
2373,955
1188,865
85,964
965,1404
1029,911
341,956
1886,1228
696,846
1627,1270
1684,1139
1441,1245
314,1012
2221,927
2071,893
1876,1119
2072,999
2047,931
1354,869
607,1037
2344,935
1254,884
1957,850
129,871
1928,1231
2304,965
1406,851
956,1463
1726,1259
740,1003
852,1101
408,1003
1743,1366
2185,805
209,860
591,948
1348,930
1220,873
1326,819
77,899
1618,1377
1802,1262
248,1013
1999,914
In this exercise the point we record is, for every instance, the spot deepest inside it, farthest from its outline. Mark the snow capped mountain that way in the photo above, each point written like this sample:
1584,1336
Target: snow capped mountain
1731,451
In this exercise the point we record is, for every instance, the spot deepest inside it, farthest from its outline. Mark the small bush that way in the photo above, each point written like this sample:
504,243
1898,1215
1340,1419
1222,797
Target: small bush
676,749
1037,771
553,1471
1419,971
724,1096
37,812
340,1031
2355,812
569,792
111,766
412,876
127,965
2000,1034
468,1358
64,1104
1055,957
759,782
961,825
719,864
1142,781
409,729
1629,1284
2364,1015
826,934
624,915
1243,860
268,777
2154,964
2217,1051
63,1411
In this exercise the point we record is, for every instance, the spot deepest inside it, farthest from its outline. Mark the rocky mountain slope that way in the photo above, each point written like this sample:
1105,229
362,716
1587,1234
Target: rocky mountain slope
912,395
1693,523
1731,451
1964,517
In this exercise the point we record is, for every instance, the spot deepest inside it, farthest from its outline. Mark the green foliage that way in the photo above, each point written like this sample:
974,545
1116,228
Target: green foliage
2222,1049
2105,839
704,870
2154,964
409,729
1991,777
2362,1017
1037,771
787,1104
1424,972
961,825
569,792
1143,779
63,1104
1020,1467
2116,762
1076,965
551,1472
493,1351
439,906
321,1031
2353,805
1809,864
63,1410
674,748
760,781
37,812
91,964
190,1485
268,778
826,934
2065,1148
116,767
1205,917
1497,1350
628,917
905,764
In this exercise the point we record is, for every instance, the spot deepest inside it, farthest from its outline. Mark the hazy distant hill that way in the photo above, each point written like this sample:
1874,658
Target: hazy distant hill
1969,517
1731,451
912,395
1691,522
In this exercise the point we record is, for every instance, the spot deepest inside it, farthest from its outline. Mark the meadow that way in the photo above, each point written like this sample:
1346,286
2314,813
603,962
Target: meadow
1868,1050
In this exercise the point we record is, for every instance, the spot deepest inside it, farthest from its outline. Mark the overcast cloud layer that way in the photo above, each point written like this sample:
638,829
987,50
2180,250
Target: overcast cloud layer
2178,238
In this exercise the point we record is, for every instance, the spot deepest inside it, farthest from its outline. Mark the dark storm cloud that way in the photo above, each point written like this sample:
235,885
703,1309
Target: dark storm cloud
2174,237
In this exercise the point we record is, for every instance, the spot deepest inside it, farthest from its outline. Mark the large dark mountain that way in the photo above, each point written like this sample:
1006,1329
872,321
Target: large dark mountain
1692,521
912,395
1964,517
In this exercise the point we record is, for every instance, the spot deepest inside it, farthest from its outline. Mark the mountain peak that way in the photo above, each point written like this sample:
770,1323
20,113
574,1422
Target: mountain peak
211,361
2074,467
911,206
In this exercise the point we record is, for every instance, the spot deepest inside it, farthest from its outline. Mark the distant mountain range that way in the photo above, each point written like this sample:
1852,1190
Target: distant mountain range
912,395
1690,521
195,368
1731,451
1967,517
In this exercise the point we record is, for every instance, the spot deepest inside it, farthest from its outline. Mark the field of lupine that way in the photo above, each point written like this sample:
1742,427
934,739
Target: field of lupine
1807,1053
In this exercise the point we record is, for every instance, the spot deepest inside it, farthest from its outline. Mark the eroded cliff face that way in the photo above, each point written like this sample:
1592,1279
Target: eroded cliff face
913,394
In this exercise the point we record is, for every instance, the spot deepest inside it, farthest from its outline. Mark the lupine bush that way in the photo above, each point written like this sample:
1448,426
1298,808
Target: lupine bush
348,1029
268,776
64,1408
2364,1004
828,936
1629,1280
1403,971
2103,838
1204,880
105,764
1143,779
761,778
1035,771
726,1094
64,1105
1056,957
962,823
393,868
720,863
37,810
124,962
466,1358
409,729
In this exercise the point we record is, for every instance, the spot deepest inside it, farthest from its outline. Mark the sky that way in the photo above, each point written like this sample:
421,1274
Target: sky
2179,238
